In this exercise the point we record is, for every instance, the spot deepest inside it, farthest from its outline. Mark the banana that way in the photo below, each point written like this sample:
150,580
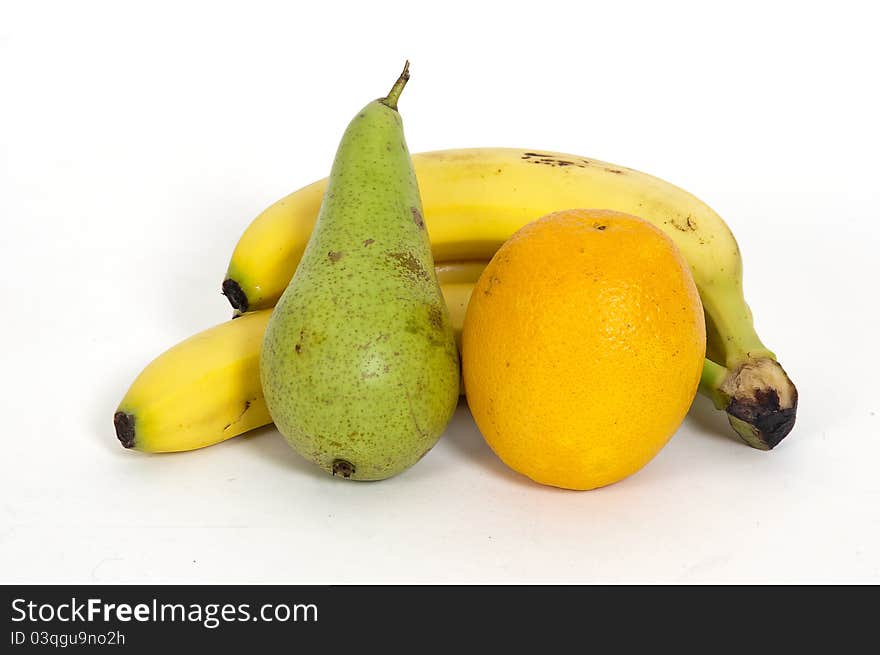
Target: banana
207,388
475,199
460,271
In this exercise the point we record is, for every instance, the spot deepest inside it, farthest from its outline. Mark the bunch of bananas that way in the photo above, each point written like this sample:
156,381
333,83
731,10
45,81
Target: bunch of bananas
207,388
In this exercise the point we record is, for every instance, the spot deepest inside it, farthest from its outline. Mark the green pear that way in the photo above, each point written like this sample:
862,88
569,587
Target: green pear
359,365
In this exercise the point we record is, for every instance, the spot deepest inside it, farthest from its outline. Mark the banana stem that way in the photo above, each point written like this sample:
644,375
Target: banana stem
394,95
730,322
711,381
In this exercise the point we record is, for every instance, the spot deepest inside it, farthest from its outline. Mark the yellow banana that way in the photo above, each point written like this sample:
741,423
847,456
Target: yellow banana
201,391
207,388
475,199
460,271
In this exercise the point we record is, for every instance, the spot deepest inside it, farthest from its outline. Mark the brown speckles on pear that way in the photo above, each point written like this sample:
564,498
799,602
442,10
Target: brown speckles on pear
417,218
407,264
335,255
369,242
435,317
382,337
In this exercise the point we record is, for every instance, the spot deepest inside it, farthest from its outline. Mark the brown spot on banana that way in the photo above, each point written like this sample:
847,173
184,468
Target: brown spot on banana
247,406
688,224
552,160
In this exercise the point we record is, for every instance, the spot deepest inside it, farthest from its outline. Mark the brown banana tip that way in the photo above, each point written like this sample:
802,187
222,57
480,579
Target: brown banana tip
763,403
762,424
237,298
124,424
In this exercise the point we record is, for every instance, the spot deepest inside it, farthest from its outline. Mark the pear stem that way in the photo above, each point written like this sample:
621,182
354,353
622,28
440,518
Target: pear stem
391,99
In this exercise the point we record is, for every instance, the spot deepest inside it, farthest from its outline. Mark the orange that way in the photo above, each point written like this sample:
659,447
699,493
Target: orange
582,347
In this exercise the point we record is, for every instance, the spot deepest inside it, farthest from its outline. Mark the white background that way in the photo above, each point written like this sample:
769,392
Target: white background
137,140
